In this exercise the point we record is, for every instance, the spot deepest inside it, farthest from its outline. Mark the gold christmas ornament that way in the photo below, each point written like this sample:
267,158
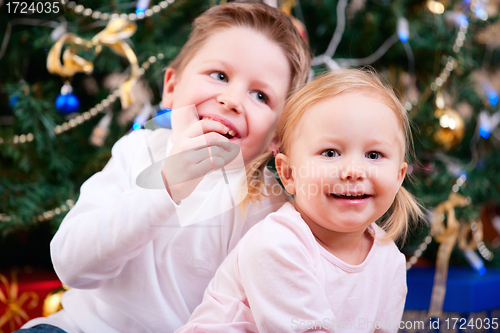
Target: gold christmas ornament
451,128
52,302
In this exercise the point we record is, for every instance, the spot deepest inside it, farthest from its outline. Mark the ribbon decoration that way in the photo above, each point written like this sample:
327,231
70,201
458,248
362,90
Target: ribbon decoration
476,229
112,36
72,63
447,237
15,312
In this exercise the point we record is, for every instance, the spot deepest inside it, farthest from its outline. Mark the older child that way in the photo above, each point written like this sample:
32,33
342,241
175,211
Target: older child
131,267
322,264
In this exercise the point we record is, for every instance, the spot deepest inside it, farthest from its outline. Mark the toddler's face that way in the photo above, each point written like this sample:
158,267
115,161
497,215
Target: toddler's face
239,78
347,162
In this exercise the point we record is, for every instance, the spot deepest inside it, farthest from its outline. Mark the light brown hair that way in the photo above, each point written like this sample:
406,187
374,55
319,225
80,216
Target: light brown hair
405,207
269,21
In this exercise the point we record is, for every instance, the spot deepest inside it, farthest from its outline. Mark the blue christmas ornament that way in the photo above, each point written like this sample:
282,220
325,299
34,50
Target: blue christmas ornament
163,118
13,100
67,102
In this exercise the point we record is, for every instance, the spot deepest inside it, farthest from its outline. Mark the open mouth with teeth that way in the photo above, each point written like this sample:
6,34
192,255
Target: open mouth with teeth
231,133
350,196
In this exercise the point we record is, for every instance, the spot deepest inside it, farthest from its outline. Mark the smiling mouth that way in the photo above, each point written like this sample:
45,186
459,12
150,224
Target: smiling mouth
231,133
350,196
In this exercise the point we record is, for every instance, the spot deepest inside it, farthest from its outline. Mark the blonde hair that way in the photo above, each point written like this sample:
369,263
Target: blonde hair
405,208
269,21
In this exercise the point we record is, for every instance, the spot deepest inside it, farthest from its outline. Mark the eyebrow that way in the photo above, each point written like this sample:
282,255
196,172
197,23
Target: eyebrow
373,142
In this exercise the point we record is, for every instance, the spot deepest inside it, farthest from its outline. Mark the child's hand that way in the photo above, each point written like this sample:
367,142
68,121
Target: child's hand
200,149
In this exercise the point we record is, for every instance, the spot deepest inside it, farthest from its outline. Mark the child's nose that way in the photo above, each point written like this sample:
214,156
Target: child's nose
353,170
231,99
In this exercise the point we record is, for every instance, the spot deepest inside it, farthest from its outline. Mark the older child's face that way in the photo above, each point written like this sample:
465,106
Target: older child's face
239,78
348,163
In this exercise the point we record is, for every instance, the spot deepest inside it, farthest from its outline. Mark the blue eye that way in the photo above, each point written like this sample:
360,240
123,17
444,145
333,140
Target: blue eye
374,155
219,76
261,97
330,153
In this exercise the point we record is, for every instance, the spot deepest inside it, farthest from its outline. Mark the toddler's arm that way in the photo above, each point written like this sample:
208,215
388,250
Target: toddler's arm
395,301
278,269
267,284
111,221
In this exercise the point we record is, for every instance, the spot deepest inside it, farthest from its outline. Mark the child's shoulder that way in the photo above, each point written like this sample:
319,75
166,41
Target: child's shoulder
283,228
387,248
140,140
273,199
158,136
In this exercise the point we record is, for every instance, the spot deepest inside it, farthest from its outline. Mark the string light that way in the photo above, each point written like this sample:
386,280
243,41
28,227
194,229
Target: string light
92,112
456,18
45,216
97,15
418,252
435,7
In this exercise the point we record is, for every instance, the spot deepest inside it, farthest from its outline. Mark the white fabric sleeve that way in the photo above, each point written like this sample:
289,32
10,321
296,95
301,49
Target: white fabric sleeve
111,222
395,302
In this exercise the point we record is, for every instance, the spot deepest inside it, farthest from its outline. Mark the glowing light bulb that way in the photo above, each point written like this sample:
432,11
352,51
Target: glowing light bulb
403,30
142,5
484,132
493,98
435,7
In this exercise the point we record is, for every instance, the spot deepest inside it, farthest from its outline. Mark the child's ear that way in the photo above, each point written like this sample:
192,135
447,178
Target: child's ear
285,172
402,173
275,144
168,87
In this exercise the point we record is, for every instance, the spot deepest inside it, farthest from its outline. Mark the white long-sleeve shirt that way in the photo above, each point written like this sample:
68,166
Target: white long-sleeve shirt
130,266
280,279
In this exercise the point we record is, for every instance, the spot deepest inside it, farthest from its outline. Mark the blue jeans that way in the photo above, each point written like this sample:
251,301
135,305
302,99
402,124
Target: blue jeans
43,328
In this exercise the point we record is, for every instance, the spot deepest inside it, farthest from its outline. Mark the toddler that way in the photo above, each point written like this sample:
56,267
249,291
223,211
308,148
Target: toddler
322,263
130,265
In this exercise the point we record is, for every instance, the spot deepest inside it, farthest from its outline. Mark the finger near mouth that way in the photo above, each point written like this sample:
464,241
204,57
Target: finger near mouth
230,134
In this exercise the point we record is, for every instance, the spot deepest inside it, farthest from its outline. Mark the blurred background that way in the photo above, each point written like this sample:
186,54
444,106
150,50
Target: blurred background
60,118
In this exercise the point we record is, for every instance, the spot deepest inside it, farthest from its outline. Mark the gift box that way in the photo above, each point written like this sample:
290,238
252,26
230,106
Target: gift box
22,295
466,290
471,302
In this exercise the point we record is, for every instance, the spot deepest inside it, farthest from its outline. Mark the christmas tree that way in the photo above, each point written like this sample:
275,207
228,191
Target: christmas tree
57,127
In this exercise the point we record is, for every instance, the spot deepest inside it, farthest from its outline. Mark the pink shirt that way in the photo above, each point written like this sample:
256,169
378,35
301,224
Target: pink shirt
279,279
